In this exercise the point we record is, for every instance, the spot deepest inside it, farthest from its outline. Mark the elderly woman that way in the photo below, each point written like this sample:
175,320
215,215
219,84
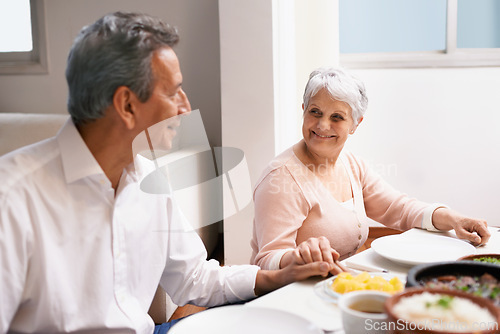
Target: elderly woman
318,196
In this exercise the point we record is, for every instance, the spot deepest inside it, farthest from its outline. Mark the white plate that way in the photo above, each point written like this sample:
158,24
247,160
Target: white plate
242,319
323,290
413,250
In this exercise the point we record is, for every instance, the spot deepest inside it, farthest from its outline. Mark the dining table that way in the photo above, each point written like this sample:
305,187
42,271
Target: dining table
303,300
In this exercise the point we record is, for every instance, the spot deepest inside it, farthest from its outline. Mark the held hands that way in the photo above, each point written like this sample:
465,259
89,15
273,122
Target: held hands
314,250
313,257
317,250
471,229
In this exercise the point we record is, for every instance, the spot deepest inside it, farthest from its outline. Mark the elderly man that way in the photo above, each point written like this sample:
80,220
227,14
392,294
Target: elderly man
82,248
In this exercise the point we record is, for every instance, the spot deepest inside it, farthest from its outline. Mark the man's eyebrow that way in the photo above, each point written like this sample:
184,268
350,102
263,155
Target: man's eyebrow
174,89
178,86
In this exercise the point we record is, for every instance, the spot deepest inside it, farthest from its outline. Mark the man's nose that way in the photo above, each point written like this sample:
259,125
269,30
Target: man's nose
184,106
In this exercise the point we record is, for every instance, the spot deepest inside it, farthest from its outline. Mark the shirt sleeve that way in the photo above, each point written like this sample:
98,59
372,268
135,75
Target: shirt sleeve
15,244
427,217
280,210
189,278
390,207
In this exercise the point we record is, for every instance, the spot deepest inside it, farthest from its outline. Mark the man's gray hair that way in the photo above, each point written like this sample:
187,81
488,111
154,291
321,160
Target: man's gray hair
341,86
114,51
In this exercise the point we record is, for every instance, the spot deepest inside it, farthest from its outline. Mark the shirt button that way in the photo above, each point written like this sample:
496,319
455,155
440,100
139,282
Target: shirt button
359,237
359,225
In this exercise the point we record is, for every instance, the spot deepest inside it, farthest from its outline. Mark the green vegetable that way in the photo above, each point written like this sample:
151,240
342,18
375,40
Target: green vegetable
478,293
495,292
487,259
445,301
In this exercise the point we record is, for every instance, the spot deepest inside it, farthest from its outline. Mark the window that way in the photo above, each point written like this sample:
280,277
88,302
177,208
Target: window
22,36
419,33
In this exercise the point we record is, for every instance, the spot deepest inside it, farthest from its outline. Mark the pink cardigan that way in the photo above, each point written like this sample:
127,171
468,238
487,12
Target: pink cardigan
292,205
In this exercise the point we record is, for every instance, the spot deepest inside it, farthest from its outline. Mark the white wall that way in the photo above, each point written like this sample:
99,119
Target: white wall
247,103
435,134
198,52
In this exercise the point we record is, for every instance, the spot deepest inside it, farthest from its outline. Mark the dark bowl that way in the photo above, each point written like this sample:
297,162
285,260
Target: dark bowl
418,275
400,326
431,270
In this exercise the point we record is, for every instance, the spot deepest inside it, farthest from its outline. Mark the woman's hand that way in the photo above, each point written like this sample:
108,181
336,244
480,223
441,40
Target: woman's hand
471,229
311,251
313,257
269,280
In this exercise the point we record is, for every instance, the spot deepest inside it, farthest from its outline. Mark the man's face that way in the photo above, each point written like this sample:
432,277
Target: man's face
168,99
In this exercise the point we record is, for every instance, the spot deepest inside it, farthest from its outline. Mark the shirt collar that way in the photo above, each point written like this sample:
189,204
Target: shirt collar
78,162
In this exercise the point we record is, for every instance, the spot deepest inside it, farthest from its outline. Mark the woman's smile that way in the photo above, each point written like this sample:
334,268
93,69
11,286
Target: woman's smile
323,136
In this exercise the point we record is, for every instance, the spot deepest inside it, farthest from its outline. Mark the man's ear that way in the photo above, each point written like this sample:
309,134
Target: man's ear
123,102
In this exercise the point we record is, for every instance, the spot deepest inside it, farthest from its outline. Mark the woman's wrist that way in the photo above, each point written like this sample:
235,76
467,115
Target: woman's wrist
443,219
286,259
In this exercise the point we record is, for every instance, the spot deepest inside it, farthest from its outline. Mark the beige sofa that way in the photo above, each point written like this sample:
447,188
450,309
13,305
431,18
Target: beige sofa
17,130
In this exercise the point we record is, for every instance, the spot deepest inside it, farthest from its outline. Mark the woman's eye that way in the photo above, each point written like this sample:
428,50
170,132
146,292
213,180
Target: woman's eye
315,112
338,117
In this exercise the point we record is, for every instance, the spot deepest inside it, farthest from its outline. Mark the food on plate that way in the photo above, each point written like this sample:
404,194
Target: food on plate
493,258
438,311
347,282
484,285
487,259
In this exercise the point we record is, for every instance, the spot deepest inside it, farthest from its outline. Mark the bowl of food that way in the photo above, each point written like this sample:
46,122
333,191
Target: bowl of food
433,311
483,258
363,312
477,278
334,287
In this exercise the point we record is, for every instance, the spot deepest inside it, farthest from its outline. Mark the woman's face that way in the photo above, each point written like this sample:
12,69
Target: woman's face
327,124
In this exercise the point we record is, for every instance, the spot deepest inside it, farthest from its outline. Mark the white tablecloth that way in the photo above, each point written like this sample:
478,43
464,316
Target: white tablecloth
299,298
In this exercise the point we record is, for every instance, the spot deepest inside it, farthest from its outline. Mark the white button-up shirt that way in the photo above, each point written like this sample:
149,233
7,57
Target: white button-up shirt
75,257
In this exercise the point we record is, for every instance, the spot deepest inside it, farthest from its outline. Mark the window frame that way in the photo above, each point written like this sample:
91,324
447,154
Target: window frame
450,57
36,60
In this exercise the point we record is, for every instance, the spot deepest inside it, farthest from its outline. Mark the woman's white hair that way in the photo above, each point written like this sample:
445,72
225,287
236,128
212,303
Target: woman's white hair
341,86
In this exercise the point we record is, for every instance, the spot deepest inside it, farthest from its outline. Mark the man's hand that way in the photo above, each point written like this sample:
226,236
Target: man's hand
471,229
313,257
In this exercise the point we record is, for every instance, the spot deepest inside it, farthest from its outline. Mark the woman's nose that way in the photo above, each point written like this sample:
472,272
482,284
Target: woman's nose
183,106
323,124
